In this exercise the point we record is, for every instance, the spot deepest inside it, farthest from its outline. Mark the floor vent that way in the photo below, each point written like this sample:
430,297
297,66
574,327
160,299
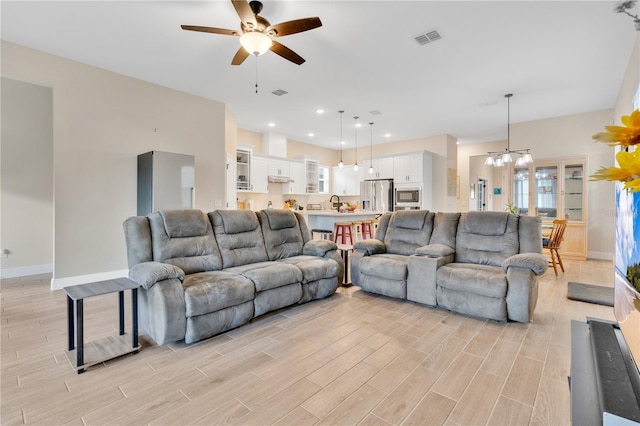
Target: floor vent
428,37
279,92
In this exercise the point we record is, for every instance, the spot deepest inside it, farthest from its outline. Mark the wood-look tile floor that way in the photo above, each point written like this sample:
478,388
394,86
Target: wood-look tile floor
354,358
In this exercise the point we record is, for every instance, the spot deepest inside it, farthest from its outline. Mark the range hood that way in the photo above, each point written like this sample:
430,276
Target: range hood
275,145
279,179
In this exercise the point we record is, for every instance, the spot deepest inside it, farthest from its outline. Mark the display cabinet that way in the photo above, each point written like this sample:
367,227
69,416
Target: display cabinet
555,189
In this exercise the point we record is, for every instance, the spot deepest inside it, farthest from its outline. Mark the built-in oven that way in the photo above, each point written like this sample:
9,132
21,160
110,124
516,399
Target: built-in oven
408,198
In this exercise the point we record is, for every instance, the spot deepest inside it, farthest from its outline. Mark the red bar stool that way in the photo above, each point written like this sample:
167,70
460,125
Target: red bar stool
343,231
366,230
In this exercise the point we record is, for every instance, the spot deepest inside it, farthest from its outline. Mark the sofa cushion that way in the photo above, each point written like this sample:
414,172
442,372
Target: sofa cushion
313,268
282,235
191,253
239,237
490,281
408,230
386,266
184,223
477,243
280,219
207,292
435,250
268,275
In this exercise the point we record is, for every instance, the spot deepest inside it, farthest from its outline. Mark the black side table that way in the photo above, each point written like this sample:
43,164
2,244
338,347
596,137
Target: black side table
103,349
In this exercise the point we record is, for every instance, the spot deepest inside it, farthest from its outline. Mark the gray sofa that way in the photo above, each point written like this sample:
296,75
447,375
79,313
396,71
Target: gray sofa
202,274
477,263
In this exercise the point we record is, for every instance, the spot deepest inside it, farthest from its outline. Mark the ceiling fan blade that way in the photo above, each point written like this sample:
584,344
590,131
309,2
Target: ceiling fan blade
240,56
285,52
244,12
213,30
293,27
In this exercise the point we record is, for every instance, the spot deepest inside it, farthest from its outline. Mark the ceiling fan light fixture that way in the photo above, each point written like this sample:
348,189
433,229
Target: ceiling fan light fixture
255,42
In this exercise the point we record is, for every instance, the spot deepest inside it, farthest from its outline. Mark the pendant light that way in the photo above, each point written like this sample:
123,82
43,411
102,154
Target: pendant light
371,149
355,167
499,158
341,164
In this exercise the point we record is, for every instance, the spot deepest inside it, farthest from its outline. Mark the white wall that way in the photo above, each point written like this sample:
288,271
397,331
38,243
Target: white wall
101,122
27,178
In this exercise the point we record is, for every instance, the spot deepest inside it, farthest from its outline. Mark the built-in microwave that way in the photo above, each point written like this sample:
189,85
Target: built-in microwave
408,197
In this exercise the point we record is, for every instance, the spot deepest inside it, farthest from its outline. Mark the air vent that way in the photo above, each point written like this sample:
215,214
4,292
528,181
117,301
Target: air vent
428,37
279,92
375,112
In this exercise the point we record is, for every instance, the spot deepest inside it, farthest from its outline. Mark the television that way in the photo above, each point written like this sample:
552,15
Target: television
627,269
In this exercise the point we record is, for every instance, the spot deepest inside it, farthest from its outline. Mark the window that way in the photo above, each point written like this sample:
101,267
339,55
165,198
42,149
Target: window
323,180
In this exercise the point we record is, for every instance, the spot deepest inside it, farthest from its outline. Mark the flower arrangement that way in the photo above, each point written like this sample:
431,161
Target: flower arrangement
511,207
627,137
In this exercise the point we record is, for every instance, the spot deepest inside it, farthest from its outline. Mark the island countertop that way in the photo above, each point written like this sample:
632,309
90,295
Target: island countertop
326,219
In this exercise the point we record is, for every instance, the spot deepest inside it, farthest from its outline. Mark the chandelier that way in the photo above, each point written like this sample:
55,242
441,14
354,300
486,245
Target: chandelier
500,158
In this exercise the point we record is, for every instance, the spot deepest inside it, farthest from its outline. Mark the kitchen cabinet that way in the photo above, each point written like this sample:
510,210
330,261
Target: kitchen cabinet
298,184
278,167
382,168
553,189
312,176
346,181
243,169
259,172
408,168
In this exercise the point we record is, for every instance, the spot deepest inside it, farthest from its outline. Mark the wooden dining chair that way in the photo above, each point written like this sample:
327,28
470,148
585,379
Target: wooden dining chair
553,244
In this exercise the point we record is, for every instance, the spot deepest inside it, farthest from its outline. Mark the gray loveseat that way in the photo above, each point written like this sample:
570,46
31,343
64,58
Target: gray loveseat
477,263
202,274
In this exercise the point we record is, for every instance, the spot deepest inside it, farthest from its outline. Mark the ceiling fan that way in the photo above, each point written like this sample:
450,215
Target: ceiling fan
256,32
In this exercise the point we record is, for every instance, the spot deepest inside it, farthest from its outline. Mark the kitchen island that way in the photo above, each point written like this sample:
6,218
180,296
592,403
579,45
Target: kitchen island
326,219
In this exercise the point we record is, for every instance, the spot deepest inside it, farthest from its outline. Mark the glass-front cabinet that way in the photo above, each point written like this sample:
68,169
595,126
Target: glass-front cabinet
555,189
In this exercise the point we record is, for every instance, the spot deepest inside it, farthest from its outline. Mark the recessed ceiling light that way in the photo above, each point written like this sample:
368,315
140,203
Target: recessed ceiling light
387,135
320,111
311,134
342,142
272,124
358,124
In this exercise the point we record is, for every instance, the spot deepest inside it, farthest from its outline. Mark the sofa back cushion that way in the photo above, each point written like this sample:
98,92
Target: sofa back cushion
282,235
407,230
486,238
239,237
184,238
445,228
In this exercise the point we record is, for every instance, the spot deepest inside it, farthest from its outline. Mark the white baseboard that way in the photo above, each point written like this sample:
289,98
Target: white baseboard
25,271
59,283
601,255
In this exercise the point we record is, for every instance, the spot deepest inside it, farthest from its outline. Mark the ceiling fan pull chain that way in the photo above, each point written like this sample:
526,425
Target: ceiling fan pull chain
256,74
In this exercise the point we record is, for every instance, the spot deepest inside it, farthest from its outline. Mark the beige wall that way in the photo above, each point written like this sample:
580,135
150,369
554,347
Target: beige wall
101,122
27,178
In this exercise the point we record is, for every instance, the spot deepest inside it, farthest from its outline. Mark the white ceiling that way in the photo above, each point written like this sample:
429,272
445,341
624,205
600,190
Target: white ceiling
557,57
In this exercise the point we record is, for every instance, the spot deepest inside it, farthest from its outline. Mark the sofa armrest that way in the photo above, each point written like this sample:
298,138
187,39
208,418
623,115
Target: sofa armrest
147,274
534,261
435,250
371,246
318,247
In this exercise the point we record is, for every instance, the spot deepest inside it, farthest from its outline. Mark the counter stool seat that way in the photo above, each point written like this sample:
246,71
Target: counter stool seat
343,232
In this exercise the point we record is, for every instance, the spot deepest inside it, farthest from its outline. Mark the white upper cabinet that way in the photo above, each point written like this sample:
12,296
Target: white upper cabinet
259,172
278,167
297,174
408,168
346,181
382,168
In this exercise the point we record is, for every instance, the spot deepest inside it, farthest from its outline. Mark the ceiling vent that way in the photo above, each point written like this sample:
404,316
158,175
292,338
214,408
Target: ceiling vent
375,112
279,92
428,37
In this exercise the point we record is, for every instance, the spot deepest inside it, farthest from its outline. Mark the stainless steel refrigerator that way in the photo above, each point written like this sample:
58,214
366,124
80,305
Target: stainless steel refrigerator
376,195
166,181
